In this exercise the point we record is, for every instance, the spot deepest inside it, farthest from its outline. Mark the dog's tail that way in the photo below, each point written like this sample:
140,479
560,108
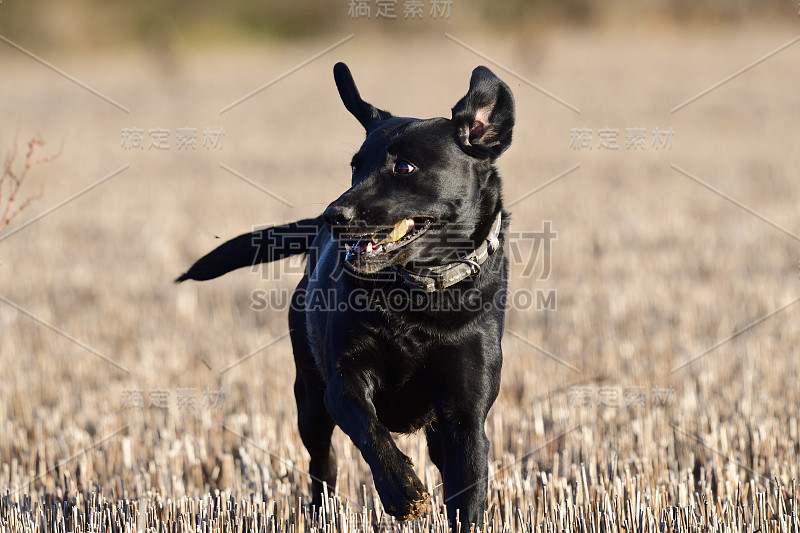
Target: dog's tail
261,246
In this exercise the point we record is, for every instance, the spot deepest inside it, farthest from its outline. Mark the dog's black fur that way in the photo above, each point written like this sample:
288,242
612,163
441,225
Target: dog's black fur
376,369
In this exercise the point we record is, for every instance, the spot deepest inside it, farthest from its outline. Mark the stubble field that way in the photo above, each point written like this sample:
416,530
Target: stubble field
656,390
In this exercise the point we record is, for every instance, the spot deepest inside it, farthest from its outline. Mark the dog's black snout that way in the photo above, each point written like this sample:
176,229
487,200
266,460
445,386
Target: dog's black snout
337,215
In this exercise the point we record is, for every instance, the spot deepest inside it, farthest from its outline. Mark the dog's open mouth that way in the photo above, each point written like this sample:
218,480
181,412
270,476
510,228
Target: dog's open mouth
375,246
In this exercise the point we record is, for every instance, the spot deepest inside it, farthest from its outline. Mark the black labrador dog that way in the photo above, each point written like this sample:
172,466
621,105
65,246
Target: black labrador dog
396,325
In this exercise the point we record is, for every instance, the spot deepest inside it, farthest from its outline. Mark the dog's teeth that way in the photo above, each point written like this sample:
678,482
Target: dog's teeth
359,247
369,247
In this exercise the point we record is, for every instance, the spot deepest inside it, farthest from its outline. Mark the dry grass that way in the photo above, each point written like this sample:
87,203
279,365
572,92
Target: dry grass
651,269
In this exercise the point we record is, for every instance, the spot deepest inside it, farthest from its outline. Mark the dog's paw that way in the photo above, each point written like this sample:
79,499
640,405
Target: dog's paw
405,498
416,508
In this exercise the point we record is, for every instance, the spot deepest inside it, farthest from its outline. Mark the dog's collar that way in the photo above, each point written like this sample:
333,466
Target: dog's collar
438,278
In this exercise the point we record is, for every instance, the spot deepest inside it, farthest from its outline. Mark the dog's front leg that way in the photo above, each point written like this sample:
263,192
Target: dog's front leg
465,468
471,387
348,398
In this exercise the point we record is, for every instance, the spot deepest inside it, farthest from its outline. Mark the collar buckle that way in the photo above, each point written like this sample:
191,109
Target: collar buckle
474,265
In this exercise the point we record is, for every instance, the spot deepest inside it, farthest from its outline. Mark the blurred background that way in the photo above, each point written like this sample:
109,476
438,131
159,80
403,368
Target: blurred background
112,24
667,299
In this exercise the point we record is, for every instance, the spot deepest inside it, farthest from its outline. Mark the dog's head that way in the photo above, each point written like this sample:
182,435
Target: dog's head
424,192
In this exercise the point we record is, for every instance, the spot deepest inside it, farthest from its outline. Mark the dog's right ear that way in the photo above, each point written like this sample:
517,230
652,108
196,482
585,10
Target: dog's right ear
367,114
485,116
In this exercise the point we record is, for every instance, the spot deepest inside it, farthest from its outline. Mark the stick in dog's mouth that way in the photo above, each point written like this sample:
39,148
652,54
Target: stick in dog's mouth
382,242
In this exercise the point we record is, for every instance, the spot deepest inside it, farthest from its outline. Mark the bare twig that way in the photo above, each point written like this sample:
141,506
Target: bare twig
11,181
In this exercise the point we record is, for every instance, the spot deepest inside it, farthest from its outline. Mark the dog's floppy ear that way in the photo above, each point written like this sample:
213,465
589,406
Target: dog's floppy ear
485,116
367,114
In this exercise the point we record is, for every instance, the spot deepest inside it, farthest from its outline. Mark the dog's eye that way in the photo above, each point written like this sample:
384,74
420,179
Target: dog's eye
404,167
353,169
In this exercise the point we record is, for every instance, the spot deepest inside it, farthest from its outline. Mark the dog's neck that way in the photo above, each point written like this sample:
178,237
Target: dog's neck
438,278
